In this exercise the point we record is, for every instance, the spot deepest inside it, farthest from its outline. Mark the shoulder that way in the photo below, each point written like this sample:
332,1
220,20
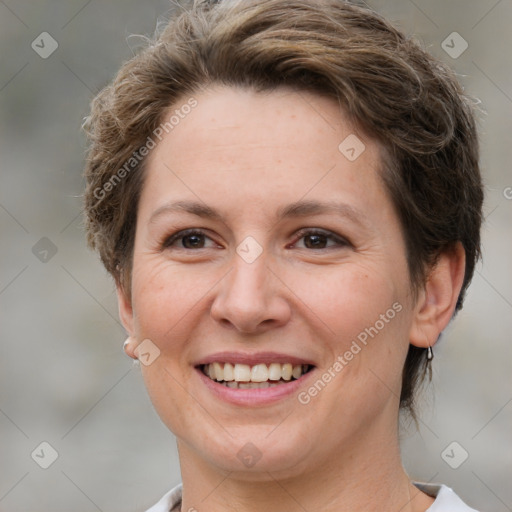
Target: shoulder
445,498
168,501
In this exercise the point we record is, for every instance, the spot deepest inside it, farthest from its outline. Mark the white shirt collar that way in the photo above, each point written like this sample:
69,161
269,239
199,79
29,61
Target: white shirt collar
446,499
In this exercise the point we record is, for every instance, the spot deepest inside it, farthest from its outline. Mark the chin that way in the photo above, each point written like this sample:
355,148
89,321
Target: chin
254,453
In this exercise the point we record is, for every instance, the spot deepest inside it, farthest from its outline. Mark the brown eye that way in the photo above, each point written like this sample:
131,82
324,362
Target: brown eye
316,239
193,241
189,239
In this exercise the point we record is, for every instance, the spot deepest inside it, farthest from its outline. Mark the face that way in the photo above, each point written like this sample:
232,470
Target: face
267,244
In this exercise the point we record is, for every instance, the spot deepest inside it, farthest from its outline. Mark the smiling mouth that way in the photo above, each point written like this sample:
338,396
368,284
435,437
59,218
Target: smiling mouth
258,376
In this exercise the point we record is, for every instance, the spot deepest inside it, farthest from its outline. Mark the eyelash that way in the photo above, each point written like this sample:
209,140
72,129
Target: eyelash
341,242
182,234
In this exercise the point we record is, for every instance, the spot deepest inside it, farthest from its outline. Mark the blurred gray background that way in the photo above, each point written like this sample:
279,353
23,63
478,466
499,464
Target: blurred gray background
64,379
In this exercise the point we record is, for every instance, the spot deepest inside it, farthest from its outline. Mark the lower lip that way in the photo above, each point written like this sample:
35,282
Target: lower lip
257,396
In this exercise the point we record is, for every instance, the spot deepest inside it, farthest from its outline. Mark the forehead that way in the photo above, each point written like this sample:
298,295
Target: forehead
246,149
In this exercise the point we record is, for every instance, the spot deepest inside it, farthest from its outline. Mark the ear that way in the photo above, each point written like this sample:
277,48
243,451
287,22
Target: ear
437,300
126,315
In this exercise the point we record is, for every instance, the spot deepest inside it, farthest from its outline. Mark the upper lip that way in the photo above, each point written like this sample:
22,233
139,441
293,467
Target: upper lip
252,359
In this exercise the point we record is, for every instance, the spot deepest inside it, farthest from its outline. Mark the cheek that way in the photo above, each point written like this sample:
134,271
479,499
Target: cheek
165,299
347,298
164,296
361,317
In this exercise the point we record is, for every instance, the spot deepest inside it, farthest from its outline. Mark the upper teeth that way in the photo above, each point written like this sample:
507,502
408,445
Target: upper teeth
258,373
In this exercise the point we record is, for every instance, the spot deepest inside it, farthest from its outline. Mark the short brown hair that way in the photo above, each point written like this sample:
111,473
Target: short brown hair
385,82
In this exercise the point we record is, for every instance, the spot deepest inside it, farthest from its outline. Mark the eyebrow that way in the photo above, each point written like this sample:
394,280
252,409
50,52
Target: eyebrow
310,208
192,207
296,209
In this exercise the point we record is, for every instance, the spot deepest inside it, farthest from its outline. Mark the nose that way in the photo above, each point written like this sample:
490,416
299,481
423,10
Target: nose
251,299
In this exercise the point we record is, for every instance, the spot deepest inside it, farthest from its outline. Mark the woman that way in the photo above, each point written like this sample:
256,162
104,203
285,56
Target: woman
287,194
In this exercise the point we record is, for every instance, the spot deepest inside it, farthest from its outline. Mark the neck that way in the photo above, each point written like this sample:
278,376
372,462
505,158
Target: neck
367,477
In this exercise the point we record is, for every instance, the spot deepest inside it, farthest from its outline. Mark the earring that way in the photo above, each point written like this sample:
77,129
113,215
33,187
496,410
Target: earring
126,344
430,354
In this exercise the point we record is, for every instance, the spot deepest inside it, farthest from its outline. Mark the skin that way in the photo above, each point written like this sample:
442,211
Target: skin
246,155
